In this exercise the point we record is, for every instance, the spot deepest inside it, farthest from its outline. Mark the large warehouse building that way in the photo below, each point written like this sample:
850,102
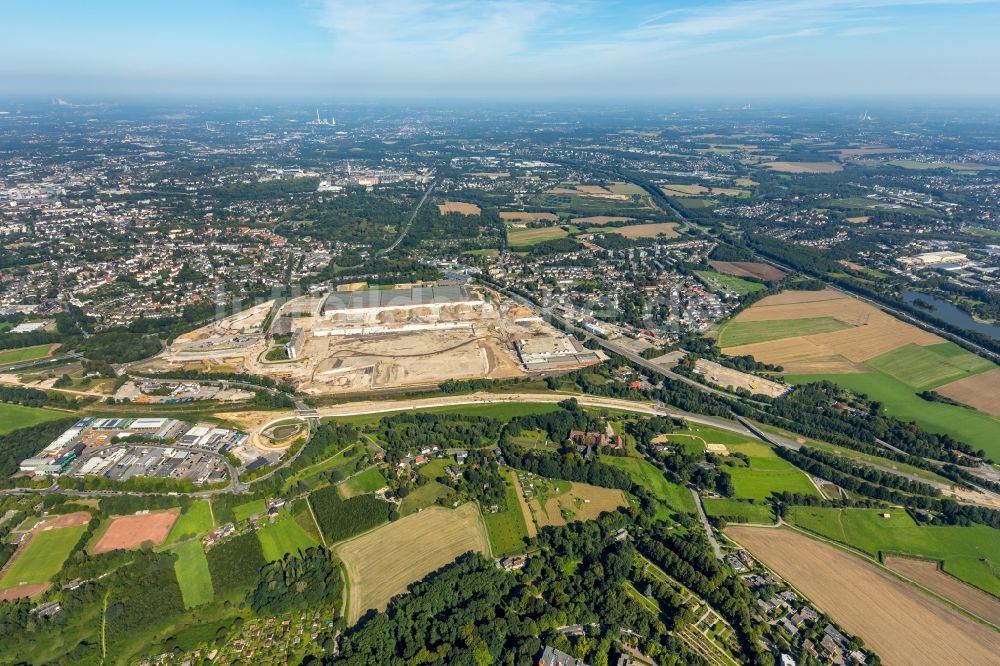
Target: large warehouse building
373,301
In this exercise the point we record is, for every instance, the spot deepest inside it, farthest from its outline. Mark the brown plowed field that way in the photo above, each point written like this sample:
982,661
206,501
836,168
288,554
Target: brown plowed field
900,623
929,575
979,391
748,269
130,532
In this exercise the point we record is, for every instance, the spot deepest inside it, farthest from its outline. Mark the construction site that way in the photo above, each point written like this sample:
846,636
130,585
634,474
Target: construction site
355,339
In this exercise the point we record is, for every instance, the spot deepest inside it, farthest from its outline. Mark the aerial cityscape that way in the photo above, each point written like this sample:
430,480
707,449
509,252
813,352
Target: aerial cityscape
300,366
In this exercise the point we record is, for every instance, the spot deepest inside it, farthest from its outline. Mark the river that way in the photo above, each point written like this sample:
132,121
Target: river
945,311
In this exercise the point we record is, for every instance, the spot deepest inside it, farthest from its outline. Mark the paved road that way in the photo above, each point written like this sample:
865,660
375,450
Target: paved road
409,222
706,524
46,360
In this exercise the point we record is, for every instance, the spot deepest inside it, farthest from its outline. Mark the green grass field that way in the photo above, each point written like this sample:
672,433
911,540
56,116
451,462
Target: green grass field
23,354
193,577
506,529
13,417
767,473
928,367
423,496
345,458
737,333
735,511
969,553
721,281
284,536
244,511
367,482
979,430
647,475
527,237
194,521
43,557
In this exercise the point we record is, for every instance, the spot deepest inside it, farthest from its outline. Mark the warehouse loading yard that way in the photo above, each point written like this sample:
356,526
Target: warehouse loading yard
356,339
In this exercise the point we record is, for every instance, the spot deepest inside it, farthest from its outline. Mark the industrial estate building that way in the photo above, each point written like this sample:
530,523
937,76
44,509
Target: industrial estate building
375,301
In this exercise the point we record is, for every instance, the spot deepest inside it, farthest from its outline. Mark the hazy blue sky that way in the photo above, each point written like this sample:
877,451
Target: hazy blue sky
606,49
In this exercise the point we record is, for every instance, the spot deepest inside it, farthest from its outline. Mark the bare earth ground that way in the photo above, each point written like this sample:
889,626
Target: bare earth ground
668,229
459,207
805,167
736,379
23,591
748,269
525,509
130,532
900,623
929,575
980,391
385,561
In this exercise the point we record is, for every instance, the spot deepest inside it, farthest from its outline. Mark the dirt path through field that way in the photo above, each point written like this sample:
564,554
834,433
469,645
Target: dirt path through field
900,623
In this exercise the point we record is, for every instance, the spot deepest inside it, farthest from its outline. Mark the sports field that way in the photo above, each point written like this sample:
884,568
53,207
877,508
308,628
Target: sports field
194,520
367,482
23,354
899,623
284,536
43,557
384,562
526,237
132,532
969,553
193,576
507,529
14,417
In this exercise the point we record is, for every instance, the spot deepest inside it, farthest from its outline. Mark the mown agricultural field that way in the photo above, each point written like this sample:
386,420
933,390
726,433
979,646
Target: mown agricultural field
721,281
969,553
193,575
647,475
284,536
827,335
507,529
737,511
194,520
526,237
15,417
383,562
366,482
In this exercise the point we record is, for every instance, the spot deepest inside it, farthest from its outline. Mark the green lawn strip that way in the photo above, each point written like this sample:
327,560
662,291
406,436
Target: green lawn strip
737,333
44,556
252,508
652,478
500,411
924,368
192,573
283,536
23,354
736,511
366,482
767,473
978,430
14,417
195,520
506,529
720,281
969,553
336,460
